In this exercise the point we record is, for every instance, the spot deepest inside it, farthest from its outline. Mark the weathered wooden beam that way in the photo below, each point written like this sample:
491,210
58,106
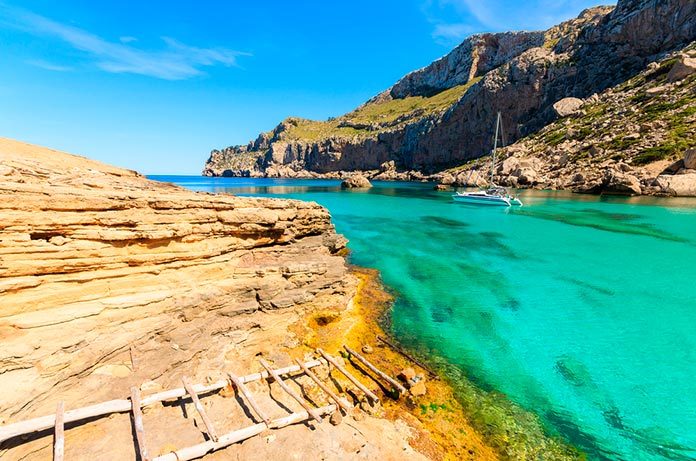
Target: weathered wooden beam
199,408
124,405
138,423
350,377
339,401
241,387
200,450
395,384
59,434
315,415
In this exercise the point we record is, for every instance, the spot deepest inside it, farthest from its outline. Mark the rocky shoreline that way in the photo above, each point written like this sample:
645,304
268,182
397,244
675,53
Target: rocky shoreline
605,144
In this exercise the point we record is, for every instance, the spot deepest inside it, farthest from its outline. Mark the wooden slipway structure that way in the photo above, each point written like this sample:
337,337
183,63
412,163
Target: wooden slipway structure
135,404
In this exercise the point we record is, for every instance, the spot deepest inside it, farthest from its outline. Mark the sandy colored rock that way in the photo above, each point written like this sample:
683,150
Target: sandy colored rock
567,106
356,182
681,69
681,185
407,374
418,389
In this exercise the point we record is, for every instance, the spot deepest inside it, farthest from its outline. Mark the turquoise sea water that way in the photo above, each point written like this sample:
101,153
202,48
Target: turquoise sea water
580,309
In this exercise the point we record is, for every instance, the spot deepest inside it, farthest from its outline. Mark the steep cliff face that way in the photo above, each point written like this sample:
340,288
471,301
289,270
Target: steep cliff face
95,260
441,115
634,138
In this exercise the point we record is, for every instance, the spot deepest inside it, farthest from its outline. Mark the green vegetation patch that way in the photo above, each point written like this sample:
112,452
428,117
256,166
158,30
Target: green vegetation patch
374,117
391,110
680,138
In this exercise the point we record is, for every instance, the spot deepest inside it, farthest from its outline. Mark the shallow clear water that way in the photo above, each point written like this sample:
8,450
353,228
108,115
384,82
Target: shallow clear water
581,309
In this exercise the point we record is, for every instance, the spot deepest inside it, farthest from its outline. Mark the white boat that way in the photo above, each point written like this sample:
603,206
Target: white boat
493,195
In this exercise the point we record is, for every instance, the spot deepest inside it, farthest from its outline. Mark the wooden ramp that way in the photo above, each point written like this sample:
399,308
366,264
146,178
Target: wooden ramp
214,441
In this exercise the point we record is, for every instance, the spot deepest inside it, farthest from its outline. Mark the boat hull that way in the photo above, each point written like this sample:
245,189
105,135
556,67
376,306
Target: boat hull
479,200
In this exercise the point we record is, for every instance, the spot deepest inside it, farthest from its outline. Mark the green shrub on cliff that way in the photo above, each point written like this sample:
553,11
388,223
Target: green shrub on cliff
377,116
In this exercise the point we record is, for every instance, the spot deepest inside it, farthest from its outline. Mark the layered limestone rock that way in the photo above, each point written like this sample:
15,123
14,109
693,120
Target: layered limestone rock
95,260
442,115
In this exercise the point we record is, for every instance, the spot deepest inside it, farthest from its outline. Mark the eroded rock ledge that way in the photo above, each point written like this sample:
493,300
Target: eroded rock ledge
95,259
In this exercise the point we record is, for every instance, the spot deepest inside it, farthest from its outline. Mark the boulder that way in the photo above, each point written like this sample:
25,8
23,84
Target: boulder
690,159
526,176
567,106
681,69
357,181
619,183
407,374
440,187
682,185
418,389
674,167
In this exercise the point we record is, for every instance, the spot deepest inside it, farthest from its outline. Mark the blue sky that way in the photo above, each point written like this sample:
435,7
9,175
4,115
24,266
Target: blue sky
155,85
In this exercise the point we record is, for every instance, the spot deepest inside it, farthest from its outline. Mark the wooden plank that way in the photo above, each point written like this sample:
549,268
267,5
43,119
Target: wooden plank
339,401
408,356
41,423
200,450
59,434
138,423
241,387
316,416
401,389
350,377
199,408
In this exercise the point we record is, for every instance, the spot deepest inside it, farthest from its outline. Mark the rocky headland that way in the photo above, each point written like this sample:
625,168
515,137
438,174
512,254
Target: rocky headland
440,118
109,280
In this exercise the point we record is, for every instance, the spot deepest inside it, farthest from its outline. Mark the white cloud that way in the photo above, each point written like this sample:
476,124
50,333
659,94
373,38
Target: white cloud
48,65
175,62
448,34
127,39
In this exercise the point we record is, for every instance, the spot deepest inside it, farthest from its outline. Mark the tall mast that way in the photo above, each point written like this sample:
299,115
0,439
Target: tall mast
495,145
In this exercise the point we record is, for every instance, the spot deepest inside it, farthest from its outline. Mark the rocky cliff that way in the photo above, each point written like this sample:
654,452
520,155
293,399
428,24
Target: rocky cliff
95,260
441,116
635,138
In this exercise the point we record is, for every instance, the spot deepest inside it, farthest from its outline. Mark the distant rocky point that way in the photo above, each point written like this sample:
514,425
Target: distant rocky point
441,117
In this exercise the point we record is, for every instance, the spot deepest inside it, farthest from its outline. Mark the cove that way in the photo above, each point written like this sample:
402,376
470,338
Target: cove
580,309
